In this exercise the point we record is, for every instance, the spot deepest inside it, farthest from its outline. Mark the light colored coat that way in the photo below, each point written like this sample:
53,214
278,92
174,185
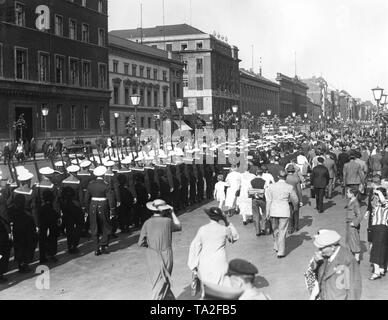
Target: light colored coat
233,180
208,251
278,197
243,201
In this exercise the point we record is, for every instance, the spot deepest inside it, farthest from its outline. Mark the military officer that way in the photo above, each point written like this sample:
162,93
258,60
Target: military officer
101,210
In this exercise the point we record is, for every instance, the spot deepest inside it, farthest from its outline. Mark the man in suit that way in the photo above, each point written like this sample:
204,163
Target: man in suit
278,197
338,272
320,179
294,180
353,174
331,166
274,168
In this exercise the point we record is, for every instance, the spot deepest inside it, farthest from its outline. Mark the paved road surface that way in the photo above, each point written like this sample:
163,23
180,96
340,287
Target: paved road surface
123,273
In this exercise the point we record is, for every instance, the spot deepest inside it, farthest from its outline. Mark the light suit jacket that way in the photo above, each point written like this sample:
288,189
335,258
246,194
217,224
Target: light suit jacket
278,197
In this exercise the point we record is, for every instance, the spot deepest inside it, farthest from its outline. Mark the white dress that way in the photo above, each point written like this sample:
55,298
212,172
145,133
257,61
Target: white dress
243,201
208,251
233,180
219,193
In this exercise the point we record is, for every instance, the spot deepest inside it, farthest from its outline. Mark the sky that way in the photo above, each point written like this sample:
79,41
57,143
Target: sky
345,41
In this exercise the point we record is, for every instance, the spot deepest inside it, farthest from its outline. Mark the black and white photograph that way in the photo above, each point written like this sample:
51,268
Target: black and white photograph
193,150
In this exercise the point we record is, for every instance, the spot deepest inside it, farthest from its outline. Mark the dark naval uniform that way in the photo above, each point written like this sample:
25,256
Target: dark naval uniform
184,191
209,178
176,179
5,231
85,177
101,204
200,182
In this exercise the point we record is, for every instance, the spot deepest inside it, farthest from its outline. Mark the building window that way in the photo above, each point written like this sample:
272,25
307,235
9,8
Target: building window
185,82
199,83
183,46
115,66
126,93
156,98
72,29
72,117
58,25
199,45
169,47
21,64
73,72
156,74
134,90
164,98
149,123
101,37
142,122
1,59
164,75
149,102
148,73
126,68
85,32
185,68
59,116
20,15
102,76
199,103
142,97
199,66
84,3
178,90
86,74
134,70
59,69
173,89
116,95
100,6
86,117
44,67
141,71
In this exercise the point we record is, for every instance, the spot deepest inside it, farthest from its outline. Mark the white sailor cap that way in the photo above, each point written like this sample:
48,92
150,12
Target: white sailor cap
227,151
85,164
108,163
59,164
25,176
126,160
20,170
46,171
73,168
99,171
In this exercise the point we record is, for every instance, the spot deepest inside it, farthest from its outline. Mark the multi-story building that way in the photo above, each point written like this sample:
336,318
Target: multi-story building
211,66
313,110
293,96
258,94
149,72
53,54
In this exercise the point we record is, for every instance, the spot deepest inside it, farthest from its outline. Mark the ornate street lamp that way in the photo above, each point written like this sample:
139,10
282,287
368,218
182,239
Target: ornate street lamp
45,112
135,99
117,116
269,112
377,94
179,106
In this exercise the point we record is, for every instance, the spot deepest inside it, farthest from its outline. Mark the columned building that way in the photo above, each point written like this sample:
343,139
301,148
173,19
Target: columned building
211,66
55,60
258,94
149,72
293,96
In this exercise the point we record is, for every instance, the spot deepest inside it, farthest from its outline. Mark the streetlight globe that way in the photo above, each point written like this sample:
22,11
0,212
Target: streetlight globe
306,115
179,103
269,112
294,114
235,108
135,99
117,115
45,111
383,99
377,93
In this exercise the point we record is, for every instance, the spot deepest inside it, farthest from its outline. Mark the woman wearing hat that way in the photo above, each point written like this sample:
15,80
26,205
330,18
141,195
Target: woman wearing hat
207,254
156,236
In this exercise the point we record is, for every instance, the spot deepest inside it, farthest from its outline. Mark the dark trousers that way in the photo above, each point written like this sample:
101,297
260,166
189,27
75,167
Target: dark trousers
5,251
209,188
259,211
48,241
200,189
294,219
184,194
319,194
73,235
193,191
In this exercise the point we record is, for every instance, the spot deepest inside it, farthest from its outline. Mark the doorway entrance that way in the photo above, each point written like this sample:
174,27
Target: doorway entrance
24,125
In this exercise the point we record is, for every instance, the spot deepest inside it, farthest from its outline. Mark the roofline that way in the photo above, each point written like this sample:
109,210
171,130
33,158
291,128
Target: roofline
247,74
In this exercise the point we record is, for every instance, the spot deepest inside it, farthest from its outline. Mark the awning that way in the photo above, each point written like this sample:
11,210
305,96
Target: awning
184,126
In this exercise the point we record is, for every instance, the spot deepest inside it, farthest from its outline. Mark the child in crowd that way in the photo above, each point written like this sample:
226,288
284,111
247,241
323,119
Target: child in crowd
219,191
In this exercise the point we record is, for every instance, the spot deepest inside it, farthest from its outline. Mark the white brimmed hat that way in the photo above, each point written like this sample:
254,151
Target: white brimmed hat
99,171
74,161
85,164
46,171
108,163
127,160
326,238
158,205
73,169
25,176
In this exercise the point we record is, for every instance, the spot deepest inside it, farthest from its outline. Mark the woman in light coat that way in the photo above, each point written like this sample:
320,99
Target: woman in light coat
244,202
207,255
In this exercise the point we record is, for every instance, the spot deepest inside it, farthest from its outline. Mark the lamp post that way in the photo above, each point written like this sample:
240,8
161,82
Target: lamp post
235,110
117,116
179,106
135,99
45,111
377,94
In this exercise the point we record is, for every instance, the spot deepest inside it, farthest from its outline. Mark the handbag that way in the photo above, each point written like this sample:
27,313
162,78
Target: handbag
195,284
